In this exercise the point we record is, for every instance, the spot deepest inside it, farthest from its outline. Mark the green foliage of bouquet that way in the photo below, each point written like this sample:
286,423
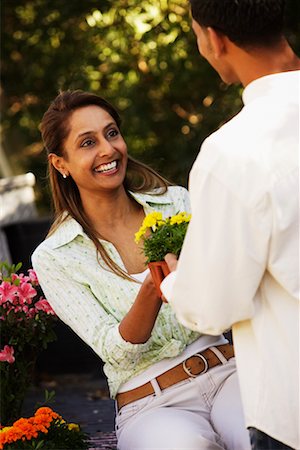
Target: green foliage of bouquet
46,430
161,236
27,321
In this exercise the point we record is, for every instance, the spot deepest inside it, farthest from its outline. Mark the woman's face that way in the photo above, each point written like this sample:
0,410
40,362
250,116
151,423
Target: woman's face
95,153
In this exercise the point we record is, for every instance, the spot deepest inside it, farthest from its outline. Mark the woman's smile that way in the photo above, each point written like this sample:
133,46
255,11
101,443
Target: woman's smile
107,169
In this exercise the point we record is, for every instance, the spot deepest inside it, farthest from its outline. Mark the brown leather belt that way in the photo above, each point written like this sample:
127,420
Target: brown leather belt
190,368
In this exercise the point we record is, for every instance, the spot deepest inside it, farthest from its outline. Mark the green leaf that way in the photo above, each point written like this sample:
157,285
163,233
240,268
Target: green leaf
40,444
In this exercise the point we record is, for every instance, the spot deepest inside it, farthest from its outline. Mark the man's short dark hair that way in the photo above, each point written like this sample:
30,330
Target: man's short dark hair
252,23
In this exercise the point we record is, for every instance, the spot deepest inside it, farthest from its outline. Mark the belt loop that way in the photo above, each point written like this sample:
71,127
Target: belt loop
218,354
156,387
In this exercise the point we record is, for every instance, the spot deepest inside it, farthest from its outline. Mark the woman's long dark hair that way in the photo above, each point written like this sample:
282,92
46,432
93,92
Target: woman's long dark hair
65,194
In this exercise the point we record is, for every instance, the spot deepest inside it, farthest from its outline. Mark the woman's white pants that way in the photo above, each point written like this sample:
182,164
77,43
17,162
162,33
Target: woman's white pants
202,413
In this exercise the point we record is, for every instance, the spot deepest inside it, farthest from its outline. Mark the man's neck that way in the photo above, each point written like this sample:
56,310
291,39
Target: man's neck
261,62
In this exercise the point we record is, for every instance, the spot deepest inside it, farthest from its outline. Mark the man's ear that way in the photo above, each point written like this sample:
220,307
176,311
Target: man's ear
58,163
217,41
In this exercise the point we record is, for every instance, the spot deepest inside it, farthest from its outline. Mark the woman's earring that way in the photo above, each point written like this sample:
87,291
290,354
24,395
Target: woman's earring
64,175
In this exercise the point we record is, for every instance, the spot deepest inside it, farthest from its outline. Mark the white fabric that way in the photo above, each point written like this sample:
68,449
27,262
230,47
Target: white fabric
140,276
202,413
240,261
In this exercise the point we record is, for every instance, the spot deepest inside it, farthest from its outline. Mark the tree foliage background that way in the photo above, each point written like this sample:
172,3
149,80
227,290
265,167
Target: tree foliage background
139,55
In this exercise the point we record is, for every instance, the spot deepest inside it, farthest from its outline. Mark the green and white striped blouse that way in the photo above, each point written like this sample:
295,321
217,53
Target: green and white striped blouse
92,301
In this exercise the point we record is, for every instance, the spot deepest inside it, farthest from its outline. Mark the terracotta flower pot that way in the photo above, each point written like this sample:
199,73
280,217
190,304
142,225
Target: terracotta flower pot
159,270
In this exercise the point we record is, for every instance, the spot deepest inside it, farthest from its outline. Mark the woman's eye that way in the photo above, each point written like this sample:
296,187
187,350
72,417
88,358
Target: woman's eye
112,133
87,143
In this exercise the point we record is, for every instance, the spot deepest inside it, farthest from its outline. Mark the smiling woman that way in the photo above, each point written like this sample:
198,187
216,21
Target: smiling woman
93,274
89,166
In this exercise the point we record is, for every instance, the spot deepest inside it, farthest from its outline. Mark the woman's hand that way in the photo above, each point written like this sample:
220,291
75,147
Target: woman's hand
137,325
149,286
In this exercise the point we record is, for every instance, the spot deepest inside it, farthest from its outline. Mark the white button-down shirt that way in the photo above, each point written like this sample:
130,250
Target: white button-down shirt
240,262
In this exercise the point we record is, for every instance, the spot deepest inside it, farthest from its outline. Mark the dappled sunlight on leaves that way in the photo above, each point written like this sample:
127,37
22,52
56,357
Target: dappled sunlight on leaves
142,56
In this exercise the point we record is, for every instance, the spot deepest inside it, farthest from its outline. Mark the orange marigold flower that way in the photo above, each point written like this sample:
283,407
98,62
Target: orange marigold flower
42,428
13,434
43,419
20,422
25,427
43,410
46,410
9,434
4,436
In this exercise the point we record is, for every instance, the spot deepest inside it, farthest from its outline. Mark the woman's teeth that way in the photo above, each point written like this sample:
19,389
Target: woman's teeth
106,167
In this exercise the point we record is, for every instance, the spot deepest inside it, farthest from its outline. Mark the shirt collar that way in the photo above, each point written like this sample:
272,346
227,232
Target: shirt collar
69,229
283,84
152,199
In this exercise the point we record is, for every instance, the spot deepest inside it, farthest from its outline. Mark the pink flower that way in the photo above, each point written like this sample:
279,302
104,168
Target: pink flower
33,277
7,354
7,292
31,313
14,277
43,305
21,277
26,293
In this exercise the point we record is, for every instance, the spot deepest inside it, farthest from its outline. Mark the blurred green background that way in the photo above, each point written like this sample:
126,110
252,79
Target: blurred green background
139,55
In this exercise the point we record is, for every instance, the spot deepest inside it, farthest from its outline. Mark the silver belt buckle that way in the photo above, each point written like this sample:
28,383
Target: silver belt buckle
187,369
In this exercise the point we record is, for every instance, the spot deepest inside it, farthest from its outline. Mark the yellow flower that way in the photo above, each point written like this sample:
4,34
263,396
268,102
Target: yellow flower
179,218
152,219
162,235
4,429
139,234
73,427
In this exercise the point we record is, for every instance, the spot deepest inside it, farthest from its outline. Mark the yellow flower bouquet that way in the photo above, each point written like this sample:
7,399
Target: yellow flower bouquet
45,430
161,236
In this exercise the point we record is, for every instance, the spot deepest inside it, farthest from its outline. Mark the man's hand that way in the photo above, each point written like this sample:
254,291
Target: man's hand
172,261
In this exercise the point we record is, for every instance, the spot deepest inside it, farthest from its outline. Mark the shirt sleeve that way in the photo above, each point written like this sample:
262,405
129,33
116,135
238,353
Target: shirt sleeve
223,257
77,307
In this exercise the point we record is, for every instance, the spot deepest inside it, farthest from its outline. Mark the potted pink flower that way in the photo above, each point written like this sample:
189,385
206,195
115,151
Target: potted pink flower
27,322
